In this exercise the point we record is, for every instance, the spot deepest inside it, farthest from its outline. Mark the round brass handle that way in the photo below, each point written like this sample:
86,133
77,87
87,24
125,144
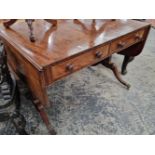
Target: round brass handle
70,67
137,37
98,54
121,44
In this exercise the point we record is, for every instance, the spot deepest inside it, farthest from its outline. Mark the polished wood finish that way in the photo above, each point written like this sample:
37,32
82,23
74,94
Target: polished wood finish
126,41
8,23
67,48
85,59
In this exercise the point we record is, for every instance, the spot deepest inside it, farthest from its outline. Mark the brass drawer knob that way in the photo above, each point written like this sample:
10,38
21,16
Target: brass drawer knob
98,54
70,67
121,44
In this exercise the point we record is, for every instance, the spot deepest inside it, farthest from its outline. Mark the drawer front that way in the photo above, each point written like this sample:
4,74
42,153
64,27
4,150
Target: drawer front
85,59
126,41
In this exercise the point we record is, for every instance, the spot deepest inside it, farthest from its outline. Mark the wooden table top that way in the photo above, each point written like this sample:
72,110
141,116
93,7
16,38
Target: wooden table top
68,39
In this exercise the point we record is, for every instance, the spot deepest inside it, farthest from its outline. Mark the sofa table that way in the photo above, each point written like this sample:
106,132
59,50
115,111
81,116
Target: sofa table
70,46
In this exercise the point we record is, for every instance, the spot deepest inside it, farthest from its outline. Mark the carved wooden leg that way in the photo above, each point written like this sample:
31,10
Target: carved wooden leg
7,24
107,63
29,23
44,117
126,60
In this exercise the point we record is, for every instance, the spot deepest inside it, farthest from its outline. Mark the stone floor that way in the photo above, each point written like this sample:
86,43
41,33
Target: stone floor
92,101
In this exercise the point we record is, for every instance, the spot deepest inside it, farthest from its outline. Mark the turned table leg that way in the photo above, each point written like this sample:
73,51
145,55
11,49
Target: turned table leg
126,60
107,63
40,108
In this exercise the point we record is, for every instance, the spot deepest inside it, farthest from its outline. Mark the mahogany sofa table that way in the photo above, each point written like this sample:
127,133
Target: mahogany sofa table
70,46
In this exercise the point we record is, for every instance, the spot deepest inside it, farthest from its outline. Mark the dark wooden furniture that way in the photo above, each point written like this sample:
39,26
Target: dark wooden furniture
72,45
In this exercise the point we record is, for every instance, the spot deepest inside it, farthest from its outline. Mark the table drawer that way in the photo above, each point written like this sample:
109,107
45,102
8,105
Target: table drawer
85,59
126,41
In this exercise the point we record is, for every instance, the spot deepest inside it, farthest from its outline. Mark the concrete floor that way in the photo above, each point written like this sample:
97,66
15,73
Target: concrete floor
92,101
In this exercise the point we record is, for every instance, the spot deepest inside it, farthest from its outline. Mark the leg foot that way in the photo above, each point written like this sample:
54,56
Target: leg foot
107,63
126,60
44,117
